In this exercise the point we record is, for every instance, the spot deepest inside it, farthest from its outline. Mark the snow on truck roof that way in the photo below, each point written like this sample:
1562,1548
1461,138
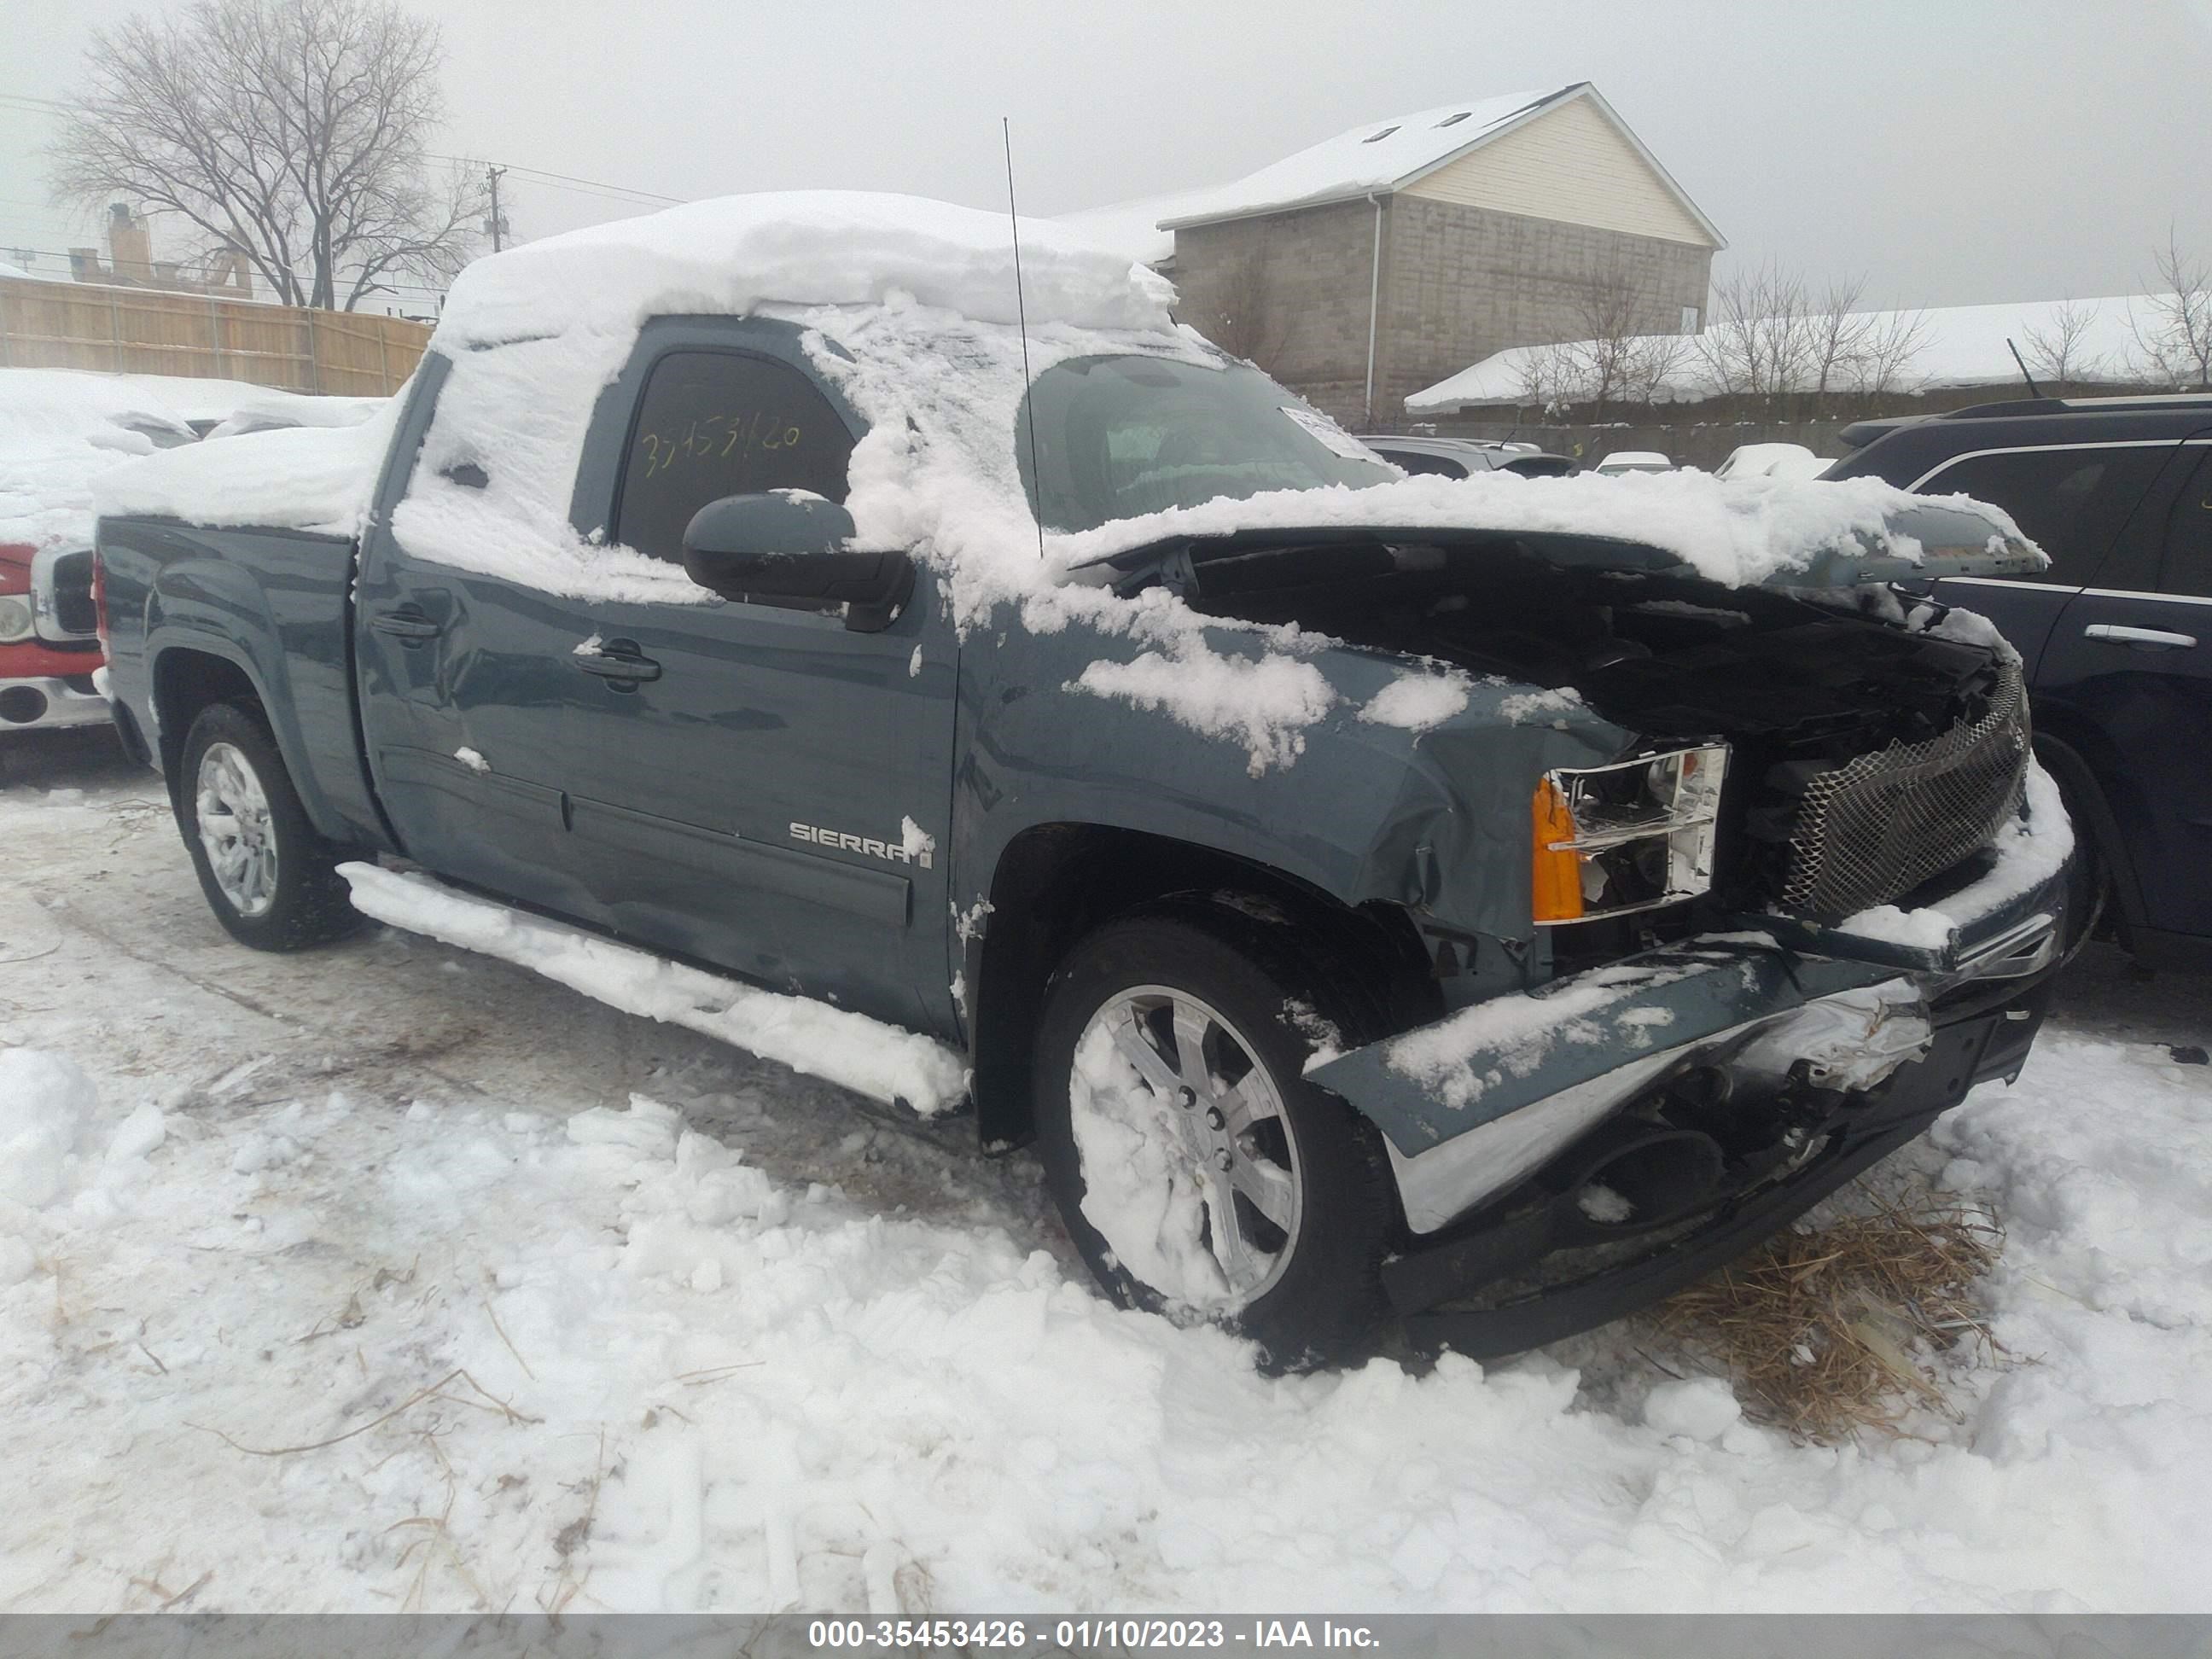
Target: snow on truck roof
736,253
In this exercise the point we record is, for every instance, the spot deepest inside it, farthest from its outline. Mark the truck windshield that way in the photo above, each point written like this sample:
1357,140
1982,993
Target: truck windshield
1117,437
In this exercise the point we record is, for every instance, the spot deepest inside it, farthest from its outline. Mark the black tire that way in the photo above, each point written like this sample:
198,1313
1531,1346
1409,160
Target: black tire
308,903
1326,1301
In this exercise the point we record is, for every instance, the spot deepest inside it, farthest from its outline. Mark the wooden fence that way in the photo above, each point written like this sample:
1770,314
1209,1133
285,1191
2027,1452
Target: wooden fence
136,330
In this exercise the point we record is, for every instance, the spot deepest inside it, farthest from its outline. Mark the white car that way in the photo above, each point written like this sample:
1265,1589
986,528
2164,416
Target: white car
1774,461
1633,461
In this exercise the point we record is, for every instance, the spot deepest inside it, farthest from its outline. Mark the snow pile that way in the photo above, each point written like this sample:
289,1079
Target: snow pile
308,477
44,1099
863,1055
621,1368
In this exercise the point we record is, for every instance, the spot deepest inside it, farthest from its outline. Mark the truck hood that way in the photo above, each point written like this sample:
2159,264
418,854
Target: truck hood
1780,533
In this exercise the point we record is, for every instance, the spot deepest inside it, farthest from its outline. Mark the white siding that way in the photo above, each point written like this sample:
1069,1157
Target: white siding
1572,165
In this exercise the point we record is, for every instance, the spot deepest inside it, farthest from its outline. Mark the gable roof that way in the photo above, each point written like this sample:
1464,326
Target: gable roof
1378,157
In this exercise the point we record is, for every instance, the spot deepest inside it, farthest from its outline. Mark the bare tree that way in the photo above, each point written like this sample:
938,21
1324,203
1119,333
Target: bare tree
1760,339
1773,338
291,131
2059,351
2174,329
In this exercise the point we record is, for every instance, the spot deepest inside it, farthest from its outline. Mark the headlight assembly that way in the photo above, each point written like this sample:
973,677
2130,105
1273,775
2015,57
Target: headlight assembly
1634,835
14,618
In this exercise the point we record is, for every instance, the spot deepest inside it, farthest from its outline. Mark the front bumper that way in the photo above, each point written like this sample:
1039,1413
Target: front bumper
42,702
1552,1185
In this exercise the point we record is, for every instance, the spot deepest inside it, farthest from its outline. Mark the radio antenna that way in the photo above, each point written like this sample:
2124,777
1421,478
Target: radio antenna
1022,317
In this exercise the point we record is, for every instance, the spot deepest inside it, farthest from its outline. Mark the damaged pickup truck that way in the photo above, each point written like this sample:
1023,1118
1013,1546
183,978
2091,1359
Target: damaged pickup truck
1485,903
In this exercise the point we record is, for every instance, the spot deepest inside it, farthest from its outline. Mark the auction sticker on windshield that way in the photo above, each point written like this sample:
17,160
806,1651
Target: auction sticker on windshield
1339,441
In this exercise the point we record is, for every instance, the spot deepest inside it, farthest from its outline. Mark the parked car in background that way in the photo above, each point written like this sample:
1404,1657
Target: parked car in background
1633,461
59,430
1273,981
1772,460
2117,634
1464,458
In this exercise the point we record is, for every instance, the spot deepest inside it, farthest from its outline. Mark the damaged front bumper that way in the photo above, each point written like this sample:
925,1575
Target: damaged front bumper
1552,1185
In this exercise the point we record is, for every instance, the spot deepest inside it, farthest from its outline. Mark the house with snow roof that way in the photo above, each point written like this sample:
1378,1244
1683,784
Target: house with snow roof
1378,261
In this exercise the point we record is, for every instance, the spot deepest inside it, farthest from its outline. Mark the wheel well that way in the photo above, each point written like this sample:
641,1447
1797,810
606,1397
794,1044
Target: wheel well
1055,883
2094,815
186,681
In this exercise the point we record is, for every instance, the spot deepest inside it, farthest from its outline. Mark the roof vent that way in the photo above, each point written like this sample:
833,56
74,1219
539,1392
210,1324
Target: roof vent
1373,137
1454,120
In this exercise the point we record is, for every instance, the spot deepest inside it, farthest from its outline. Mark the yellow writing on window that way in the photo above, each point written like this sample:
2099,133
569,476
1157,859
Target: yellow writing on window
717,438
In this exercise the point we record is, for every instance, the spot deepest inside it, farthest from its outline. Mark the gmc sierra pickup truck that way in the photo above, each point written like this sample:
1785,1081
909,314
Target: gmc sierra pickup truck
1485,903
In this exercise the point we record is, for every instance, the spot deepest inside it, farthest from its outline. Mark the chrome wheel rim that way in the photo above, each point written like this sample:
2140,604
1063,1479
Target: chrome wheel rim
236,830
1190,1169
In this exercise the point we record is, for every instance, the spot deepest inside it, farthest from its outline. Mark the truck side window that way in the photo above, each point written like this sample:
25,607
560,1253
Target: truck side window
716,423
2189,537
2071,502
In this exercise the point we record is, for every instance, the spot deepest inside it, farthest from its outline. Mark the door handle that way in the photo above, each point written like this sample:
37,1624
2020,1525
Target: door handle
408,624
2157,638
619,661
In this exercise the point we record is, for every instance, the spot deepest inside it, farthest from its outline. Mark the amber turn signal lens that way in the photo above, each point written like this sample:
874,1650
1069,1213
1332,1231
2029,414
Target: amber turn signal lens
1556,873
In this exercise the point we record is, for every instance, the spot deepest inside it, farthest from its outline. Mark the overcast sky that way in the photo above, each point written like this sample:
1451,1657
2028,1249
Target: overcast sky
1953,150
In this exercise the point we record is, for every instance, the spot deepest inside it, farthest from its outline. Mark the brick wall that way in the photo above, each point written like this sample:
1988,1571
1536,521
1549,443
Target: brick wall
1309,326
1458,283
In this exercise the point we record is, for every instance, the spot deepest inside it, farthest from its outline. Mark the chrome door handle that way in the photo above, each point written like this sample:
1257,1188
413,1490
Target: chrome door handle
2157,638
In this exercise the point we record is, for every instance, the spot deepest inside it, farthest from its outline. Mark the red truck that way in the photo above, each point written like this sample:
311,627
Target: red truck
49,643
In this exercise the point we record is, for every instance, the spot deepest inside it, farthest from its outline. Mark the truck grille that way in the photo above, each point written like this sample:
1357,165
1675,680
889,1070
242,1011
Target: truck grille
1877,826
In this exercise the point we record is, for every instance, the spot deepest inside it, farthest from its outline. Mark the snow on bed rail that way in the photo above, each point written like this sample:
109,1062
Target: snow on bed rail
316,478
862,1054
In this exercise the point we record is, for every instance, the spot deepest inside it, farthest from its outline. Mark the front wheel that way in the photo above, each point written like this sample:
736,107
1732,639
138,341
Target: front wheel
1198,1171
271,881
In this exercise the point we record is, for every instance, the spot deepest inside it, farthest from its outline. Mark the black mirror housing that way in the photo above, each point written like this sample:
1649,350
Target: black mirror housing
791,548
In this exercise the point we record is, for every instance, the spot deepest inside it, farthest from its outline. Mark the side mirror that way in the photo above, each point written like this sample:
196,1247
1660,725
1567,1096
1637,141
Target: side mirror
789,548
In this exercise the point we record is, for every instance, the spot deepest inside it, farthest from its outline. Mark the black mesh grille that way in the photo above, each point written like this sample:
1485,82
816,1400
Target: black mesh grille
1879,825
73,607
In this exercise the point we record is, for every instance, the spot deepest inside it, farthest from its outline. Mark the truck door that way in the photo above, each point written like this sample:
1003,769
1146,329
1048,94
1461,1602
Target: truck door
2131,661
741,775
463,679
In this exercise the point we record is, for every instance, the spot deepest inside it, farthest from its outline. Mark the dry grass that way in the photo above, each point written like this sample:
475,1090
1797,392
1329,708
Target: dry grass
1817,1327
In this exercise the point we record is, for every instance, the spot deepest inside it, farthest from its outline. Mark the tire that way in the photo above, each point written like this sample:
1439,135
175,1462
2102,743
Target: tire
1135,1169
276,887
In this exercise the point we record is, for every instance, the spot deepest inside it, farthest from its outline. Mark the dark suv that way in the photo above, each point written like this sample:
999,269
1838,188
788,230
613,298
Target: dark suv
2117,634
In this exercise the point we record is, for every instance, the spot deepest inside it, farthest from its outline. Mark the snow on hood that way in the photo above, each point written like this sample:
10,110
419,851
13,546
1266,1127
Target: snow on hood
736,253
1735,531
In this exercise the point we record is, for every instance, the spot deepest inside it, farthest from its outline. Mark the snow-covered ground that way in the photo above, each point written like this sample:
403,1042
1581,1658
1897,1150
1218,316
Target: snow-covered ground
385,1276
